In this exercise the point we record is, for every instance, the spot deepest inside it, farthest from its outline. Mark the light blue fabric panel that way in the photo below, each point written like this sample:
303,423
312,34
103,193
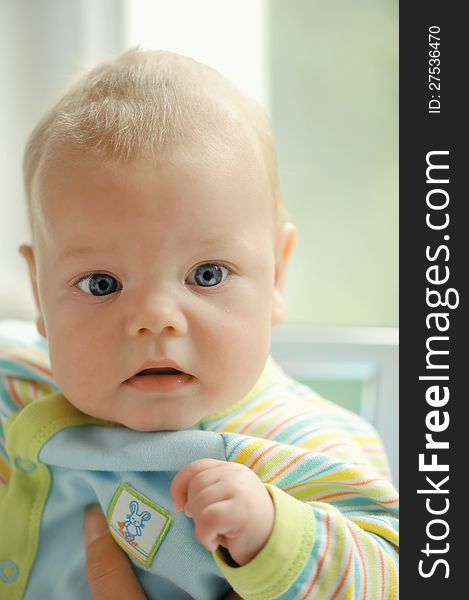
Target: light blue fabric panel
95,447
87,464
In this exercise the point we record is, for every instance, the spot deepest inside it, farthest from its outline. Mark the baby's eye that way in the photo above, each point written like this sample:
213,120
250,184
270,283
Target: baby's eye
98,284
207,275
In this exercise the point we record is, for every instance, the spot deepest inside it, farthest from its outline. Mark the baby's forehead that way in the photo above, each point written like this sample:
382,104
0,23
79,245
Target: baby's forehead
236,162
231,177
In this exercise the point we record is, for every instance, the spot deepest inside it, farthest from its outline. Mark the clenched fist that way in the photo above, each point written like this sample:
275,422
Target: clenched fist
229,504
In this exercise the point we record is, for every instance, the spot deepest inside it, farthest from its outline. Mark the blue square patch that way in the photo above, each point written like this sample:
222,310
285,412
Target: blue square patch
137,524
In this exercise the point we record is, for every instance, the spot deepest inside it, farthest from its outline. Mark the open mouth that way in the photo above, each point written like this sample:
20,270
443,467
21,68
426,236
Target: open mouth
160,379
161,371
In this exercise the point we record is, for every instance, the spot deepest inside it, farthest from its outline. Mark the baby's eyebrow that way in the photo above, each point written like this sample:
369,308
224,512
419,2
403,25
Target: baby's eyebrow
74,252
221,240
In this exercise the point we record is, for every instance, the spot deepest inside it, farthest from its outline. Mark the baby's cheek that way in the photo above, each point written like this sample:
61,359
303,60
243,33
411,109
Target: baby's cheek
239,360
77,373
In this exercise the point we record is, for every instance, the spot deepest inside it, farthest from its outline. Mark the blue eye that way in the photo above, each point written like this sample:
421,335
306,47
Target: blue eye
208,275
98,284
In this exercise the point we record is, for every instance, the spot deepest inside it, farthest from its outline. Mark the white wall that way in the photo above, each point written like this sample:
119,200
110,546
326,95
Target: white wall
228,35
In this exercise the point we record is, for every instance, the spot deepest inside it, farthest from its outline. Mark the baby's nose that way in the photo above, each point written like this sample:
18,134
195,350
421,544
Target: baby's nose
156,313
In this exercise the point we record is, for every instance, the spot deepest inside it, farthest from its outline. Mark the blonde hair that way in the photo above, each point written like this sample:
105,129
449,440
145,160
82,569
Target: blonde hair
148,104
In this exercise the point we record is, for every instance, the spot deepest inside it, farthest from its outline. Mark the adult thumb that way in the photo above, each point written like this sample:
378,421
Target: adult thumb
108,570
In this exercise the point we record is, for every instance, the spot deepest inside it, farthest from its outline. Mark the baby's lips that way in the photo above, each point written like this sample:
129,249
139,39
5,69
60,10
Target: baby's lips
160,365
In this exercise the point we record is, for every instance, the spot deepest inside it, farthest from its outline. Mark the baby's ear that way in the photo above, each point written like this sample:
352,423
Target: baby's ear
285,240
27,253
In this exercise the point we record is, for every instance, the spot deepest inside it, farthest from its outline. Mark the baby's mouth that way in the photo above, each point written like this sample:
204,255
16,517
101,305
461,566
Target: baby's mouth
161,371
159,379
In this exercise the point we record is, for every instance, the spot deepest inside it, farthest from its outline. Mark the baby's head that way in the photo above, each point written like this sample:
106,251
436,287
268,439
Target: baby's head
160,244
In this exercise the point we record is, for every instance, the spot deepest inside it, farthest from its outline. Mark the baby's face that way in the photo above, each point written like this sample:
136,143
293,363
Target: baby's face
157,285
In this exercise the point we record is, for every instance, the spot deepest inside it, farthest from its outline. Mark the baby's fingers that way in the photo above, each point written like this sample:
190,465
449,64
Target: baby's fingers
215,523
180,483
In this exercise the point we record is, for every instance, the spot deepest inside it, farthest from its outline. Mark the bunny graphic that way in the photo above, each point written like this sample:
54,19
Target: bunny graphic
134,523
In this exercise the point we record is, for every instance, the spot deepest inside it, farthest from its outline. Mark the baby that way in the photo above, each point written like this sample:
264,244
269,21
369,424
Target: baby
158,263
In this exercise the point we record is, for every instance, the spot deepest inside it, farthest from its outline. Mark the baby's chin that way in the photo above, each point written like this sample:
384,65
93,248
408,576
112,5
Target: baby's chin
155,422
150,415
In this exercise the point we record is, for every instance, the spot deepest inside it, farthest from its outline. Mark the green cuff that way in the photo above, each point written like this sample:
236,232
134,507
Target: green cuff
277,566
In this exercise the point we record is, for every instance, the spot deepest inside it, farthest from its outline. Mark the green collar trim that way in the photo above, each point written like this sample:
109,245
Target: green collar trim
42,418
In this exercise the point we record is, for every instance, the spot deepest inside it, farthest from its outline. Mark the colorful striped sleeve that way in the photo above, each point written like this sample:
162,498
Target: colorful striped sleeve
335,532
336,527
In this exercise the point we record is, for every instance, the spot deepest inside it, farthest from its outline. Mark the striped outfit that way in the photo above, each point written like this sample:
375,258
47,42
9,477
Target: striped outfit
336,530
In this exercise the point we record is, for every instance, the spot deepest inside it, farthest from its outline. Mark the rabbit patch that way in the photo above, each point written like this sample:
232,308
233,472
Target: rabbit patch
135,521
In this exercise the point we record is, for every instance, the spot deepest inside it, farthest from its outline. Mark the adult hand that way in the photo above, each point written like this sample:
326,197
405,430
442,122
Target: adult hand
108,570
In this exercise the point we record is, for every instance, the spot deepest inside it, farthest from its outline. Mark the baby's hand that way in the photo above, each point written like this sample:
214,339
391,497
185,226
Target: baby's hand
229,504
